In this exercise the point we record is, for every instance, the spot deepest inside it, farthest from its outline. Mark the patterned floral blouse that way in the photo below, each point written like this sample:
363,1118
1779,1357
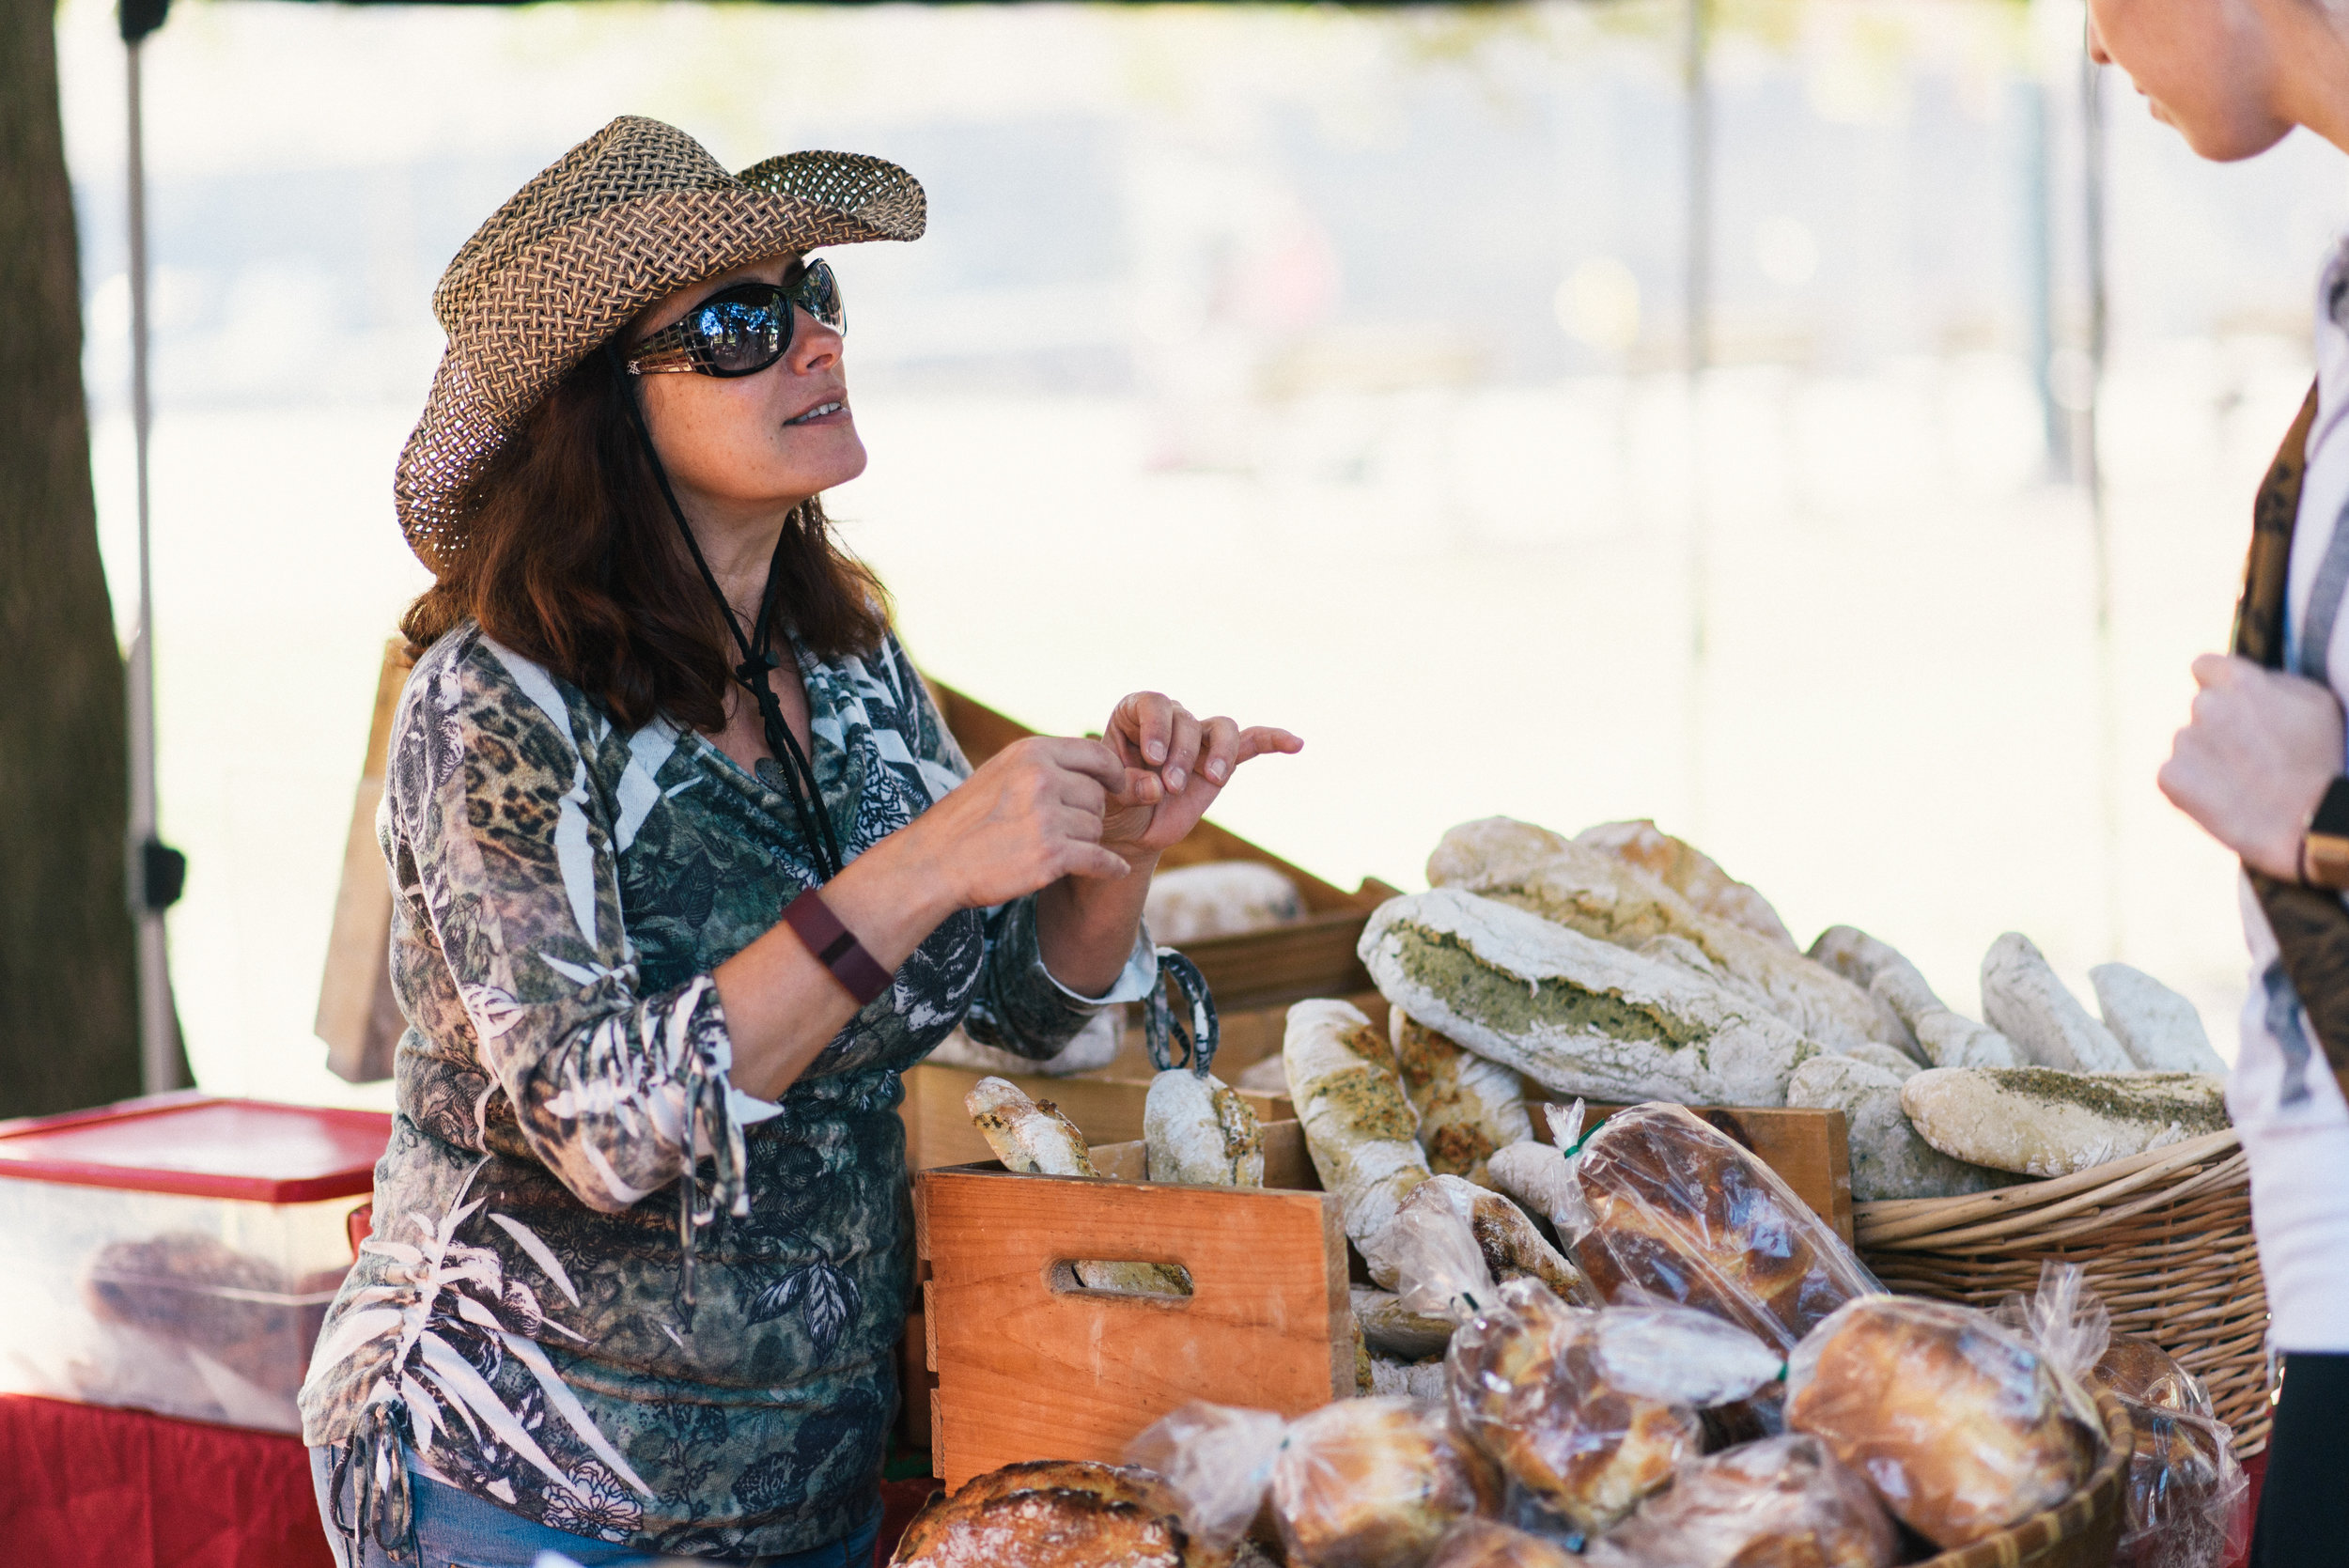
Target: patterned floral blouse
547,1316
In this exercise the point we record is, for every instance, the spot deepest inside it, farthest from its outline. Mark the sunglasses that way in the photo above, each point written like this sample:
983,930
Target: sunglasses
740,331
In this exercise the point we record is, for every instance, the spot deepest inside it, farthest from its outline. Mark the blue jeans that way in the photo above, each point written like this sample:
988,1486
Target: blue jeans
457,1529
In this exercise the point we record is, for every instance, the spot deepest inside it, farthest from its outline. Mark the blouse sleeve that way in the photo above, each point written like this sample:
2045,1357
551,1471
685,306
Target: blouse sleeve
517,872
1019,1006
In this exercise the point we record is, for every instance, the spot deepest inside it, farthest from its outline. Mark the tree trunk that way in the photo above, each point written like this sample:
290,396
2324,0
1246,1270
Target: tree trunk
68,1017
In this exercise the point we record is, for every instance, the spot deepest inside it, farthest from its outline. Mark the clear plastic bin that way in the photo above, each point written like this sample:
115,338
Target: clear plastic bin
178,1253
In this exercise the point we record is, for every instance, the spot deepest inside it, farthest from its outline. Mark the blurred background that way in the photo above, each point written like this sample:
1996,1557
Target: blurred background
1394,375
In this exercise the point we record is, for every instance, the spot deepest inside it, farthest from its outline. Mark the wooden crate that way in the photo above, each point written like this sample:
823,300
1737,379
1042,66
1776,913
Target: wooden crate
1311,957
1024,1364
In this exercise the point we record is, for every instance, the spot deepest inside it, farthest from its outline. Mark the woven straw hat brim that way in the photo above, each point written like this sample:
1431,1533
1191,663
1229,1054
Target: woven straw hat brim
521,315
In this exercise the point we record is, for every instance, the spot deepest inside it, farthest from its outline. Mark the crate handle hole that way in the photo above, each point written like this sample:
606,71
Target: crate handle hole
1133,1281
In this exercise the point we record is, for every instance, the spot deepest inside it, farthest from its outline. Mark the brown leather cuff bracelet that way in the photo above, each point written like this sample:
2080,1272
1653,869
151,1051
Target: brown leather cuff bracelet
835,947
2324,842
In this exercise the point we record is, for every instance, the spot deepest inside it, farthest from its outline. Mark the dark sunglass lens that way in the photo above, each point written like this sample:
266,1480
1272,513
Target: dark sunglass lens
818,292
739,335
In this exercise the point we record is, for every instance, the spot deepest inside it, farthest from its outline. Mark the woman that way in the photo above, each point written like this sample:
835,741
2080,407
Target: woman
642,1247
2261,764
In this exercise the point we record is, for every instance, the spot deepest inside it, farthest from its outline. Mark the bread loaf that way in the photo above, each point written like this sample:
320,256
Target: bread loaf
1536,1177
1360,1128
1512,1246
1959,1425
1419,1379
1091,1048
1032,1137
1682,1212
1487,1544
1375,1484
1619,903
2184,1492
1945,1037
2158,1028
2142,1372
1888,1158
1574,1015
1690,873
1219,898
1468,1107
1780,1503
1394,1330
1530,1390
2025,1001
1051,1513
1199,1129
2039,1121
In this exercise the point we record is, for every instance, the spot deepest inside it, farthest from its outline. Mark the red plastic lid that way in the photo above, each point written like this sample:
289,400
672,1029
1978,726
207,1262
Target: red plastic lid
204,1147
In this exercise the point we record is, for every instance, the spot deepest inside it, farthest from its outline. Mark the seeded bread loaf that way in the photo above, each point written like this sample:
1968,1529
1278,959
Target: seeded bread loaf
1575,1014
1888,1159
1360,1128
1199,1129
1468,1107
1617,901
2041,1121
1690,873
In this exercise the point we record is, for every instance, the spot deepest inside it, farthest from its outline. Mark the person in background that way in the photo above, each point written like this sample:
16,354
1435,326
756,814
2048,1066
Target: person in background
687,870
2261,764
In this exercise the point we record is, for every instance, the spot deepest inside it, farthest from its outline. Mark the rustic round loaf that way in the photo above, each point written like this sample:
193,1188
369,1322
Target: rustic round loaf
1051,1513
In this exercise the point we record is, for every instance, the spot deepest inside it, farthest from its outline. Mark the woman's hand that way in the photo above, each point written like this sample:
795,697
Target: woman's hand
1028,815
2255,759
1175,767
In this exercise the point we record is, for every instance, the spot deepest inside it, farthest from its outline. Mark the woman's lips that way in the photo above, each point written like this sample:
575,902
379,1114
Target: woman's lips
835,409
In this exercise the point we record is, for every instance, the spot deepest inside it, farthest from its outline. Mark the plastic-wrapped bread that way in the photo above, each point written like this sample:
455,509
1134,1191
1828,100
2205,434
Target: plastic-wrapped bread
1032,1137
1375,1484
1217,1459
1679,1211
1535,1176
1947,1038
1489,1544
1888,1159
1197,1128
2159,1029
1219,898
2023,999
1961,1427
1781,1502
1690,873
1051,1514
1360,1128
1512,1245
1575,1014
2041,1121
1468,1107
1619,903
2184,1498
1393,1330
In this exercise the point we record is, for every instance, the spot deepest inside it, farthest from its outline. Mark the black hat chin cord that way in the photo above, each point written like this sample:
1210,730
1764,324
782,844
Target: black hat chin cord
753,672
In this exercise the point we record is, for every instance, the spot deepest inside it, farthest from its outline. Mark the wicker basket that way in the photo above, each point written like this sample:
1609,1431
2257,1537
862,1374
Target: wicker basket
2079,1532
2164,1239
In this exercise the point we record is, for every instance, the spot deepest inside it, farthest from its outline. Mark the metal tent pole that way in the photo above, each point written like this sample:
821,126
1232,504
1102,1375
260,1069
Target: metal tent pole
155,871
2089,466
1696,306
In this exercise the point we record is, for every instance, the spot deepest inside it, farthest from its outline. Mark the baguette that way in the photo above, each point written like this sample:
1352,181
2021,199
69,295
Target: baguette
1468,1107
1200,1130
1617,901
1948,1039
1033,1137
1690,873
1888,1158
1360,1128
1574,1015
2158,1028
2041,1122
2023,999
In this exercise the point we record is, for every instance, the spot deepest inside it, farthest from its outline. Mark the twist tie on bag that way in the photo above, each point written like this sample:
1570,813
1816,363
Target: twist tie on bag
1566,1129
1187,1041
1219,1459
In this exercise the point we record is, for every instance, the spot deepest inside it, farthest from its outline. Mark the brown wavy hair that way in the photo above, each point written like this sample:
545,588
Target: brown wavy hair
572,560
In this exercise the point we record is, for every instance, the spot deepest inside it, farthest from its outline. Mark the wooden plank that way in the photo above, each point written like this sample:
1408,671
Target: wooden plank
1105,1109
1032,1368
357,1015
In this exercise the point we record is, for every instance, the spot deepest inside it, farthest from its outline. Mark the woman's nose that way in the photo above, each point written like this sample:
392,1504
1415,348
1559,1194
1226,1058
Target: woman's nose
2097,45
814,346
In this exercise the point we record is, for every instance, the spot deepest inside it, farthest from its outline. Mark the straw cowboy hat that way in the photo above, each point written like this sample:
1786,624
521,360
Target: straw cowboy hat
636,211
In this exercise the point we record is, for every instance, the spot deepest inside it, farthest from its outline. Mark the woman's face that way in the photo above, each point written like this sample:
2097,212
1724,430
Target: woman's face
2206,67
752,444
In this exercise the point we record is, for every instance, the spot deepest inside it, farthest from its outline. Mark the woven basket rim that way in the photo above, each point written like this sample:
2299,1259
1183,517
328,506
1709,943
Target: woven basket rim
1911,1222
2029,1540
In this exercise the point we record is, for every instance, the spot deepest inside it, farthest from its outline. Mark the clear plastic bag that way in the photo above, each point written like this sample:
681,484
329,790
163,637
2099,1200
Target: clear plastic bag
2186,1500
1485,1544
1784,1502
1585,1411
1219,1459
1961,1425
1679,1211
1375,1484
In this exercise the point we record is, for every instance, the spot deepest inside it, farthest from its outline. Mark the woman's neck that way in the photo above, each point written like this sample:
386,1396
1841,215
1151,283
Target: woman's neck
2312,85
740,547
